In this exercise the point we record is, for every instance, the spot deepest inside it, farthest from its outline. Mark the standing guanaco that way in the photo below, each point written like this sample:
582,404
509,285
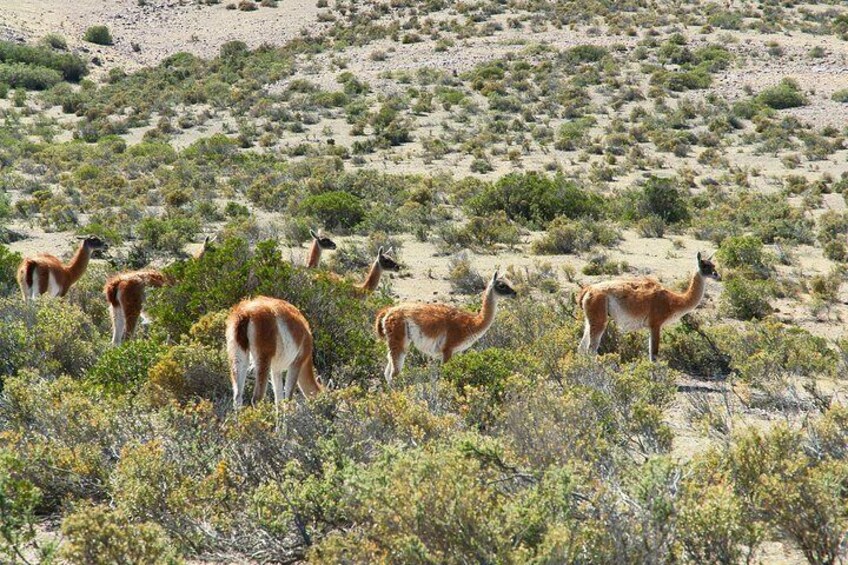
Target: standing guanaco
640,303
320,242
437,330
125,295
45,273
383,262
276,336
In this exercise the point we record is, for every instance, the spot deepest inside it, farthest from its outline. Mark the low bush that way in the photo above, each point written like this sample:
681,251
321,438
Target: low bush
336,210
98,34
72,67
745,299
745,255
97,535
9,262
786,94
564,236
534,199
124,368
184,372
657,197
19,75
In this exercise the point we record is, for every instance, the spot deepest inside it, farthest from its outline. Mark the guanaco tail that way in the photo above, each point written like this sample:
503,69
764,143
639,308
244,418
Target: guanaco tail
45,273
125,294
437,330
640,303
276,337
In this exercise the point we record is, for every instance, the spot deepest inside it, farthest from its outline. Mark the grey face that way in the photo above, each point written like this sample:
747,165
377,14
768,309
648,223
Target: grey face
503,288
93,242
708,269
386,262
323,242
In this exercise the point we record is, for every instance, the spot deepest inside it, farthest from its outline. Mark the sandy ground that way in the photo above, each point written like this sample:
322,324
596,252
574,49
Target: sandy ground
159,27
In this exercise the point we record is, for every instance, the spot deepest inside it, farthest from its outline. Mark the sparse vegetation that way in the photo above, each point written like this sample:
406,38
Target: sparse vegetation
462,134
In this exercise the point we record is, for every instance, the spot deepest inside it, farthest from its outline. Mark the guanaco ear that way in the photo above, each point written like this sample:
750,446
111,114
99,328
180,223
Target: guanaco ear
313,234
391,250
380,251
495,276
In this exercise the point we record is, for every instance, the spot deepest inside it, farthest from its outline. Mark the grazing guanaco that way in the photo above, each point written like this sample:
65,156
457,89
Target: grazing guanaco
437,330
319,243
125,295
640,303
276,336
45,273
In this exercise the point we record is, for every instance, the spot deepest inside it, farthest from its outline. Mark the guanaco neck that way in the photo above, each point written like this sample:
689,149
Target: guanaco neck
306,380
695,293
314,255
373,278
78,263
483,320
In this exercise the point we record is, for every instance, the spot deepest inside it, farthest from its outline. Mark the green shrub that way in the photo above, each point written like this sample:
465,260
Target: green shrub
96,535
98,34
19,75
534,199
336,209
693,349
840,96
9,261
745,254
71,66
19,502
187,371
480,233
658,197
124,368
745,299
572,236
714,526
341,324
786,94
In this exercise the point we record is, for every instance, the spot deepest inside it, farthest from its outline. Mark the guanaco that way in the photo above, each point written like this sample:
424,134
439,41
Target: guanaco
125,295
207,245
320,242
437,330
640,303
276,336
383,262
45,273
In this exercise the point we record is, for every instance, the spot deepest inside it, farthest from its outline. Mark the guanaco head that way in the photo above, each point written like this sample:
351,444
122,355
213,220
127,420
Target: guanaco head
323,241
92,242
707,268
387,263
501,286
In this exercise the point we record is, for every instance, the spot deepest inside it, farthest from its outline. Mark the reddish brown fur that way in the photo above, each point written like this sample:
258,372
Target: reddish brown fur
125,294
442,327
263,314
313,257
44,265
636,303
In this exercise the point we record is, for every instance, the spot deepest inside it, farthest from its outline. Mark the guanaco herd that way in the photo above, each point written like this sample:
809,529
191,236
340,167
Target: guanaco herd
273,336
